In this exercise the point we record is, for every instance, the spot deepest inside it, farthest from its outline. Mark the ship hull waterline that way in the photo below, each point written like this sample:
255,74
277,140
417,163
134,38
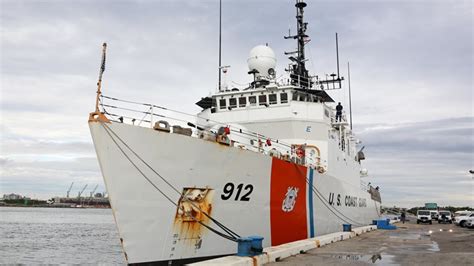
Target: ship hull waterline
248,192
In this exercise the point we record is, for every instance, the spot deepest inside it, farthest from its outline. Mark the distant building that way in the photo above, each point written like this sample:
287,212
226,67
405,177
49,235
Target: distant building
431,206
12,196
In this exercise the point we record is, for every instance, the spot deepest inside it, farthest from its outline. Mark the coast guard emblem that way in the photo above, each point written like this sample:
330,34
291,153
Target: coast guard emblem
290,199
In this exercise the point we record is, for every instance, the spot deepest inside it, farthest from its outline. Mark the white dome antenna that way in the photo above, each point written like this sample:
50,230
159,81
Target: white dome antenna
262,62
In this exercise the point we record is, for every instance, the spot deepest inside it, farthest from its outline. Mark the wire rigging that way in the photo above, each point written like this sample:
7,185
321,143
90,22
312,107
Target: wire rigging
325,202
232,235
240,131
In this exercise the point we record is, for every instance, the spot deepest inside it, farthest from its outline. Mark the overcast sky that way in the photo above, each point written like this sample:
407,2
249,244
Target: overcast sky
411,69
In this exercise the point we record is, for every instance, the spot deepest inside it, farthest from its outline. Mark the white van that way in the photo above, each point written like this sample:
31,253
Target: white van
423,216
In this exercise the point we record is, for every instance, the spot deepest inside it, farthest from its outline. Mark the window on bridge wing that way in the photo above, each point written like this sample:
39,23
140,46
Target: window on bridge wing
295,96
272,98
242,101
252,100
283,97
222,103
262,100
232,102
302,97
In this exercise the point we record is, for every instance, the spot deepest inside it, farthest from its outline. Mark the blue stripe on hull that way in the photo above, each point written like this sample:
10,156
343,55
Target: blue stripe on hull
310,202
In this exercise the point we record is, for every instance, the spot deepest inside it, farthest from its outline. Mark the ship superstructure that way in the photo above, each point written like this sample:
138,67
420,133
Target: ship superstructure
270,159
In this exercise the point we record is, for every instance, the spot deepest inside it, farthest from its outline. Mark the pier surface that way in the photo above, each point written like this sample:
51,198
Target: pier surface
409,244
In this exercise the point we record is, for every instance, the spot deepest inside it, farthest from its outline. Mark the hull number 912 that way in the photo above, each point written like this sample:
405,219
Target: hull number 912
229,191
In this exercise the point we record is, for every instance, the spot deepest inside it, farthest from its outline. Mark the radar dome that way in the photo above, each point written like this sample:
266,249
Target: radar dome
262,59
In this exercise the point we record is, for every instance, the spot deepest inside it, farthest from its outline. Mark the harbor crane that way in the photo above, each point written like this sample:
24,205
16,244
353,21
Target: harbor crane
93,191
69,190
80,192
92,194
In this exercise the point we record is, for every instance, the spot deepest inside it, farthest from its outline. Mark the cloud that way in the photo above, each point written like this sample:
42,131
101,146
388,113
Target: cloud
421,162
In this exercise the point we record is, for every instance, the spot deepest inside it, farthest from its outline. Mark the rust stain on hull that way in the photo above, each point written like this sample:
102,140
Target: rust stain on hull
192,205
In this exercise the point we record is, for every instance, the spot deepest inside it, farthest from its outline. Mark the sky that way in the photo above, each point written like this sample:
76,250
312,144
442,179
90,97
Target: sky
411,78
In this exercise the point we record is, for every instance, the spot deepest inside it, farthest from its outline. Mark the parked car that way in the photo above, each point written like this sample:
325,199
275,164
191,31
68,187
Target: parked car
423,216
461,220
445,217
470,223
462,213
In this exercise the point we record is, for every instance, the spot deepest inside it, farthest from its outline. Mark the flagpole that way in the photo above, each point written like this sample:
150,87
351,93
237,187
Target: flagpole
99,82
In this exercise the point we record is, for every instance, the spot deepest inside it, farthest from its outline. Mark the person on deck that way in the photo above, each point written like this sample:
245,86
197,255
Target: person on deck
403,217
338,111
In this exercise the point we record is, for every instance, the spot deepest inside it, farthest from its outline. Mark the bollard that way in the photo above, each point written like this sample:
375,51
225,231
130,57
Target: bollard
256,246
347,227
385,224
244,246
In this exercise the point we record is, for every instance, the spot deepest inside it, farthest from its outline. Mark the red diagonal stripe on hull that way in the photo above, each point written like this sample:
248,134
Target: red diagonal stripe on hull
292,225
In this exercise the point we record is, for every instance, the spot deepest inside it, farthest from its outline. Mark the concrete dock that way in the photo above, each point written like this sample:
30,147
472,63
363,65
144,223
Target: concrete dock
409,244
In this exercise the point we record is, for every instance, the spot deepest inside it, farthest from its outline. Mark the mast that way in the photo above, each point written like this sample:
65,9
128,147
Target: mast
220,44
298,73
337,55
349,83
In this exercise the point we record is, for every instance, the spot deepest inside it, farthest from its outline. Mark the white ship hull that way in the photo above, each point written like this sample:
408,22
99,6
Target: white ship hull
152,230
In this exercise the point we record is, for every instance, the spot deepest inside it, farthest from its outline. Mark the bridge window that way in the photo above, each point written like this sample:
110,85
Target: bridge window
232,102
222,104
302,98
262,100
272,98
242,101
283,97
252,100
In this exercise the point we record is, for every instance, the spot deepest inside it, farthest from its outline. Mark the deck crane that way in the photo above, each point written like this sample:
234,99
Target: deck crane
80,192
69,190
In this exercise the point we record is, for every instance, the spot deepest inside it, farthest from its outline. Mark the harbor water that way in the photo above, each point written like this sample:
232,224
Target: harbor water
58,236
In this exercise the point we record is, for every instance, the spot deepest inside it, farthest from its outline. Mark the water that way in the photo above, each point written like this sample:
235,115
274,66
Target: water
58,236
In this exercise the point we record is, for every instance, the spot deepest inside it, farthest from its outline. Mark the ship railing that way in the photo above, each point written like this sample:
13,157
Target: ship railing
365,186
149,115
341,122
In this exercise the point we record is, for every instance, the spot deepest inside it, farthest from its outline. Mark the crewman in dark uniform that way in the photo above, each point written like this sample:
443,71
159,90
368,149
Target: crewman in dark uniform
338,111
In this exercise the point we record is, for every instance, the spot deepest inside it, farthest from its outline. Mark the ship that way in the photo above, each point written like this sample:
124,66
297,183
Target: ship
273,159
